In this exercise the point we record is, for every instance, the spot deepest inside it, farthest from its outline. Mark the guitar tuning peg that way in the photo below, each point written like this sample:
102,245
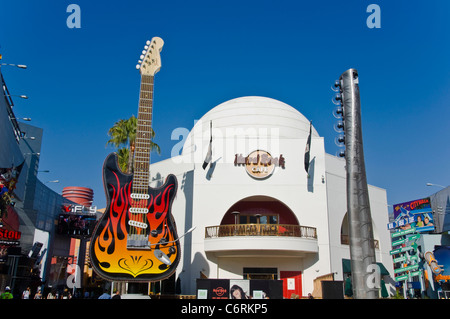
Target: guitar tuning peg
144,52
141,57
146,47
138,66
148,42
140,61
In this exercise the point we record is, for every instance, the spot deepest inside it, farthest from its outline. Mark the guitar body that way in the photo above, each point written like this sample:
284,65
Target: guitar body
115,254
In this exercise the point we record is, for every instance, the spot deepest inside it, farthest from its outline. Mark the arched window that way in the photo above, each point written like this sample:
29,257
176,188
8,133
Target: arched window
259,210
345,240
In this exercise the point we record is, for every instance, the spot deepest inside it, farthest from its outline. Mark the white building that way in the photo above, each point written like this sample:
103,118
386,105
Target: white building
263,221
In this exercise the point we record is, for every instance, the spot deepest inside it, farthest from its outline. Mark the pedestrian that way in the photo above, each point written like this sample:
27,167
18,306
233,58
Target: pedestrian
66,294
116,294
7,294
26,293
51,295
38,294
348,288
105,295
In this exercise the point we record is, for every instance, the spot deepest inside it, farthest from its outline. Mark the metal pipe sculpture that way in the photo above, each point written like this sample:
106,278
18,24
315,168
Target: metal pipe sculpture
362,250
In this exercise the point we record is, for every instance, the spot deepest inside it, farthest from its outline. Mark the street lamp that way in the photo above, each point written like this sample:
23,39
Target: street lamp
22,96
27,119
20,66
430,184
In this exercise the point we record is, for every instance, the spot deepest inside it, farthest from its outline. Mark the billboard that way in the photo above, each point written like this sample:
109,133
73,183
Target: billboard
76,221
413,214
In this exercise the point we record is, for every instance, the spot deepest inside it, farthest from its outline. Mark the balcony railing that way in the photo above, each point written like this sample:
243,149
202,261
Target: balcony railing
260,230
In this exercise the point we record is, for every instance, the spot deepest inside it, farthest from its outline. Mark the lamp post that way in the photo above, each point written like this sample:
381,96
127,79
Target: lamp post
22,96
20,66
27,119
236,214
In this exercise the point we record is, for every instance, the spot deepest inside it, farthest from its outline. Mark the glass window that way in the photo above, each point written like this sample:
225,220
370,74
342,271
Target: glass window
273,219
263,219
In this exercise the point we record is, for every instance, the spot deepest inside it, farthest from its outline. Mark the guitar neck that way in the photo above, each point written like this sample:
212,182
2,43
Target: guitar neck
143,136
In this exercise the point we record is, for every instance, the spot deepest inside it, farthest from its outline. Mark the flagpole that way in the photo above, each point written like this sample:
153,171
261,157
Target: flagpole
308,149
208,157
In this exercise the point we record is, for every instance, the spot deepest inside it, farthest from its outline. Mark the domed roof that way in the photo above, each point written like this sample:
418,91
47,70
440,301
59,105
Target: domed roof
252,116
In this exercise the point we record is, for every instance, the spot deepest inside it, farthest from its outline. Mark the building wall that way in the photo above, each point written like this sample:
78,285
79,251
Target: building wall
205,195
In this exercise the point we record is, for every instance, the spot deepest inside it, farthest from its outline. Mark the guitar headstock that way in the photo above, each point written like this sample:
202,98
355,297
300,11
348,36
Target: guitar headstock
150,60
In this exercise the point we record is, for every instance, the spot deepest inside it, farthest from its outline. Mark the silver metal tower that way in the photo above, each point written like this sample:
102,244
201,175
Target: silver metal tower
362,250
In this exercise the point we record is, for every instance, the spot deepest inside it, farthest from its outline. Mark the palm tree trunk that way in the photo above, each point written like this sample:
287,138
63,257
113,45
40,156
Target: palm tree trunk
131,158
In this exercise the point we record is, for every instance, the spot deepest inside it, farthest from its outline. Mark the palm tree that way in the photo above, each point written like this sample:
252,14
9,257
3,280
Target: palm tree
123,136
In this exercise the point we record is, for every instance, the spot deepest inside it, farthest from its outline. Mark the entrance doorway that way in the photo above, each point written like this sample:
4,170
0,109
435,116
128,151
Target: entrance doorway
292,283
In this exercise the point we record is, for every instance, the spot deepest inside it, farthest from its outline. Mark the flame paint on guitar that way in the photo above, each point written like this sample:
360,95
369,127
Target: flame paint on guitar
110,254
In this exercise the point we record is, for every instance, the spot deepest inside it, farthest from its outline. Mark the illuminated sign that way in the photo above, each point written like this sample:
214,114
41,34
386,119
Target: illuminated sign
78,209
259,164
9,237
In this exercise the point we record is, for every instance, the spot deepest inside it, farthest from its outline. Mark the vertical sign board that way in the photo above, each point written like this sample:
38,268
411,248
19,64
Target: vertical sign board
410,219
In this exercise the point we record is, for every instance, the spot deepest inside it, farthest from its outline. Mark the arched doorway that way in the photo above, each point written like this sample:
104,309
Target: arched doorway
259,209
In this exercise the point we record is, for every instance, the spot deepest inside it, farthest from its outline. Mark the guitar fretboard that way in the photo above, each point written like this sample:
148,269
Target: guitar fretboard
143,136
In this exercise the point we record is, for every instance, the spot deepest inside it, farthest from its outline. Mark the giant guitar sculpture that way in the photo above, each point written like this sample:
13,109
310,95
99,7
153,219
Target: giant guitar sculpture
136,239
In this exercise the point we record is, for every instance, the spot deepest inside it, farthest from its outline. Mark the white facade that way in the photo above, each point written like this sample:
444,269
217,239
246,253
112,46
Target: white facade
208,197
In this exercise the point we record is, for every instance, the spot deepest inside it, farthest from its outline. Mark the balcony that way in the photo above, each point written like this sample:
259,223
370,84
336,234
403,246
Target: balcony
260,230
260,240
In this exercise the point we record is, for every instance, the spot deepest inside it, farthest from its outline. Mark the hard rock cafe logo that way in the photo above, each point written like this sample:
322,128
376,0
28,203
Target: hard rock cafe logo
259,164
220,291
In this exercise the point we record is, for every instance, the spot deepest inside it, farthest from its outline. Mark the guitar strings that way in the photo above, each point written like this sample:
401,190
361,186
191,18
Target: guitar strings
141,176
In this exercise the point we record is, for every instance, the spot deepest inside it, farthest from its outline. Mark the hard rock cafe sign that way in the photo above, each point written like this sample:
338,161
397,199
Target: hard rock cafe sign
259,164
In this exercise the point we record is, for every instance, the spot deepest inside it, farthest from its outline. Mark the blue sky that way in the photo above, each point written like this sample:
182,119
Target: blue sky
81,81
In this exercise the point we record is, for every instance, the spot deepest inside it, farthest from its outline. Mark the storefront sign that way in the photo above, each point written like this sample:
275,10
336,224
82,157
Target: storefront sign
8,238
9,234
259,164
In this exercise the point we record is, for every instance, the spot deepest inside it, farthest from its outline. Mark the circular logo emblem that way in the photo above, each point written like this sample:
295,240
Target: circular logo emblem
259,164
220,291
